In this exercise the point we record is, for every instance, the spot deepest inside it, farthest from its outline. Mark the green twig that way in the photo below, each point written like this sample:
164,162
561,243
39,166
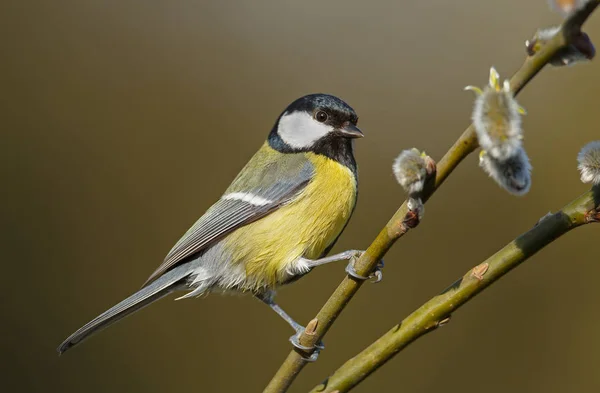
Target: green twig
437,311
397,227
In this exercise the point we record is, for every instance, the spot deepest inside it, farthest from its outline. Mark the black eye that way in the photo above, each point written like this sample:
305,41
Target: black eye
321,117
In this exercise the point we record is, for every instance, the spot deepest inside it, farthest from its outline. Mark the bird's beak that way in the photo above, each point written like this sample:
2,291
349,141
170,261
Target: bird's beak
351,131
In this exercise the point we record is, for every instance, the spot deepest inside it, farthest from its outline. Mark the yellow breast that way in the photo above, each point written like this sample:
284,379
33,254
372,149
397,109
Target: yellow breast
304,227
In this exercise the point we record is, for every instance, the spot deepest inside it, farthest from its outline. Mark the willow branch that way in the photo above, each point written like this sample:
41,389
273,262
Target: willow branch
396,226
437,311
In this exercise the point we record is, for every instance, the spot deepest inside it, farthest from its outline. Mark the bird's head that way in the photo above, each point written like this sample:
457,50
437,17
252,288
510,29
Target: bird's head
314,121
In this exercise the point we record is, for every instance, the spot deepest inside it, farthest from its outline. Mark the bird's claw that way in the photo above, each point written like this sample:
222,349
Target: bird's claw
314,350
376,276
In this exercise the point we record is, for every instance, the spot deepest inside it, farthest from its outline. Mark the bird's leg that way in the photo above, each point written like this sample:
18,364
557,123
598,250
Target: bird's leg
304,265
342,256
267,298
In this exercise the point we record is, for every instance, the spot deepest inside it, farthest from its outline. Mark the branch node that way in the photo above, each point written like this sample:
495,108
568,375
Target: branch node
431,166
444,321
479,270
592,216
411,219
311,328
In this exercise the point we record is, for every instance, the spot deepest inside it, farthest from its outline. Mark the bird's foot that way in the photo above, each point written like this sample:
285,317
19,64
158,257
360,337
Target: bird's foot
376,276
313,351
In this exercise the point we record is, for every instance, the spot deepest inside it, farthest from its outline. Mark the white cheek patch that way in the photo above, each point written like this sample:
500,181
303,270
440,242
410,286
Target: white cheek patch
300,130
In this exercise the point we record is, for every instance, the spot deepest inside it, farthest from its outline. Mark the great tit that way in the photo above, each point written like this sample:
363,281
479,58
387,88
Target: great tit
277,220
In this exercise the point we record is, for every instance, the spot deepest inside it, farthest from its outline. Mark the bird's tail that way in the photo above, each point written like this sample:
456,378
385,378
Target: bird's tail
167,283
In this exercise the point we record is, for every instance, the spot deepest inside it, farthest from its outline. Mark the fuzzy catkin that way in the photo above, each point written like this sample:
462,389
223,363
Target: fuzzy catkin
589,163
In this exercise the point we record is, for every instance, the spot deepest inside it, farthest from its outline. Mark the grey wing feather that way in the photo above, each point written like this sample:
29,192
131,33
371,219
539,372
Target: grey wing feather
276,183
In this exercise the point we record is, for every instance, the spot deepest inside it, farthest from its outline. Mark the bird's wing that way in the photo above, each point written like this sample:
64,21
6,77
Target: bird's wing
269,180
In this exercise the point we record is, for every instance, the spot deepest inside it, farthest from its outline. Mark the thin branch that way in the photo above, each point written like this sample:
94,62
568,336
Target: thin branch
436,312
396,227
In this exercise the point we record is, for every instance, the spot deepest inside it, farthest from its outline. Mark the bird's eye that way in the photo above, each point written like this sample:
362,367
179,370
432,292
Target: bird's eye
321,117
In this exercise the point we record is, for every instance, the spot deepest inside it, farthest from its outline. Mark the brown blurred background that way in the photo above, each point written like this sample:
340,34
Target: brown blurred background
123,121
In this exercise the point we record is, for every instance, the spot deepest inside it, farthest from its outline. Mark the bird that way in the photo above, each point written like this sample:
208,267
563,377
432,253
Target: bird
277,220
